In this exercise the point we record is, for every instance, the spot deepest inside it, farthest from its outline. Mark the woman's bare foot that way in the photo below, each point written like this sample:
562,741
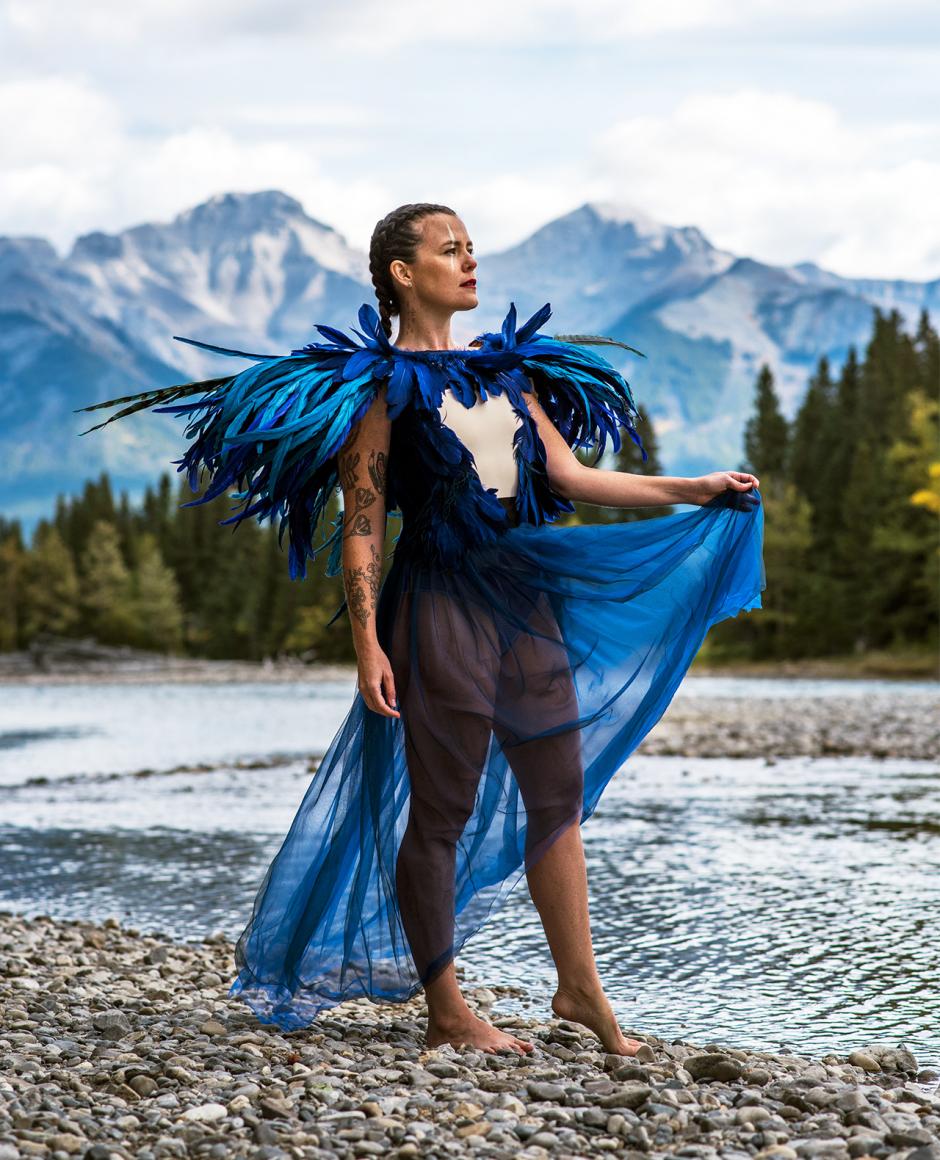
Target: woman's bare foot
471,1031
593,1010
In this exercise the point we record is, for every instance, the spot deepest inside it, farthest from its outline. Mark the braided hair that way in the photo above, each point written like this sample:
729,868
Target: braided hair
396,238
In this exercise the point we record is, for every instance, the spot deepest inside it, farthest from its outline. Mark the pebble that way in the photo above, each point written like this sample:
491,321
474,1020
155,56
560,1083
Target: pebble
878,724
129,1049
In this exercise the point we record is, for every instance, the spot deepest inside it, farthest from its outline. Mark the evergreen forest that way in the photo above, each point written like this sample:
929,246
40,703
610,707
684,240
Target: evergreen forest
851,495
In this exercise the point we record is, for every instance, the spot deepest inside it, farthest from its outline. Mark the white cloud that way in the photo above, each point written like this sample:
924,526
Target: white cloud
785,178
72,165
372,27
503,210
114,114
51,120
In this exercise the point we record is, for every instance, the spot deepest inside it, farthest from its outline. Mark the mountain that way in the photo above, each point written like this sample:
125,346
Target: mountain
238,270
254,271
705,319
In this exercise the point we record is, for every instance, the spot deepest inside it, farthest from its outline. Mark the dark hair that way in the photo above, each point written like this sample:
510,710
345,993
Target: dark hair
395,238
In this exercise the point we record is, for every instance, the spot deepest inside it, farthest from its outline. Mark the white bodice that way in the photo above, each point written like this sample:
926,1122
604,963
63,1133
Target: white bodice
486,430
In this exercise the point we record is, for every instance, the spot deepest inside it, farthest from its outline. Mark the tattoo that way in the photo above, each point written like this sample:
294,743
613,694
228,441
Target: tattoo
357,523
362,581
377,471
347,469
362,587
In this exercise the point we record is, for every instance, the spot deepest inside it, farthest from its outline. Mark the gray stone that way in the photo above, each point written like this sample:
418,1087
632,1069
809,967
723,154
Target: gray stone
752,1114
545,1091
628,1095
817,1146
713,1065
892,1058
205,1113
543,1140
112,1024
442,1069
864,1145
851,1101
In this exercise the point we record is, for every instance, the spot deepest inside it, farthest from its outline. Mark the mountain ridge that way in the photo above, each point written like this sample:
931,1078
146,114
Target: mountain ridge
255,271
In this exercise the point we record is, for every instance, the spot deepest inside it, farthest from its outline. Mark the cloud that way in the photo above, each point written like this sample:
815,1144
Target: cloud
704,112
51,120
783,178
372,27
73,165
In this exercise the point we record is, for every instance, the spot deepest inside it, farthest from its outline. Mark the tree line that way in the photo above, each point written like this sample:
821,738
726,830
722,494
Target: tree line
851,489
851,493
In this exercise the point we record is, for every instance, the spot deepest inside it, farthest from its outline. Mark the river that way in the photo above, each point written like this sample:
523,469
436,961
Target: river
775,904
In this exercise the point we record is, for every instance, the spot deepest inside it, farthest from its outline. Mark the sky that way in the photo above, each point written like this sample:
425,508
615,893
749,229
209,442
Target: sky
786,131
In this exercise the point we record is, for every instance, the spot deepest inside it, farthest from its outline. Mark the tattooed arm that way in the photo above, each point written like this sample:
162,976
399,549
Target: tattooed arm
362,463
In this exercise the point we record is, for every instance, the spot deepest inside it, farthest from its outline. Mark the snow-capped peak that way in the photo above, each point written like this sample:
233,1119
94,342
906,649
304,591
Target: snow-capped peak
626,213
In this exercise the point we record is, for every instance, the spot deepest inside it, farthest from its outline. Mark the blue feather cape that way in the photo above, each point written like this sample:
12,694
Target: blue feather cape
273,431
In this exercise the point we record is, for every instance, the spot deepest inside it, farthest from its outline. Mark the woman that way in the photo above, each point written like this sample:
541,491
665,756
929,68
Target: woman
506,669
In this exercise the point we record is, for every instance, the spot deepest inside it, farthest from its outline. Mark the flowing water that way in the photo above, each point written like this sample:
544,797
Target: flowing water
768,904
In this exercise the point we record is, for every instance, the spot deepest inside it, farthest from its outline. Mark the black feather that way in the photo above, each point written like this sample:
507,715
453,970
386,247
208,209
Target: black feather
595,339
146,399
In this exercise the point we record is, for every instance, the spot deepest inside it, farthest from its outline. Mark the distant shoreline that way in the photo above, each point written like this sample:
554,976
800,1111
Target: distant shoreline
758,722
177,669
21,668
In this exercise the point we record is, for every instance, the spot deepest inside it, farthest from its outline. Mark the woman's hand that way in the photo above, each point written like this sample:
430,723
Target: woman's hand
376,681
717,484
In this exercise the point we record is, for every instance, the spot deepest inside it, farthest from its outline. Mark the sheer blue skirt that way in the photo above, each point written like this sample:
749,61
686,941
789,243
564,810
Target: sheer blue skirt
525,678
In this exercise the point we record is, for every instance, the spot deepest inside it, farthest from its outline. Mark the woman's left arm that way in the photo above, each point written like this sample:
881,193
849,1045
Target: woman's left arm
576,481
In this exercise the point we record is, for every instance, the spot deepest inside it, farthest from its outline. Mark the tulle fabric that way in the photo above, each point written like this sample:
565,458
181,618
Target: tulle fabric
525,679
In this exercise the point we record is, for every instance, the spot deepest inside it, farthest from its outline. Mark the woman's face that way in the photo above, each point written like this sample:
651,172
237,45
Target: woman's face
443,274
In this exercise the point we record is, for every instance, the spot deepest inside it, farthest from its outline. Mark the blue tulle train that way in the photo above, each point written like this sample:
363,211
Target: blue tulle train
525,678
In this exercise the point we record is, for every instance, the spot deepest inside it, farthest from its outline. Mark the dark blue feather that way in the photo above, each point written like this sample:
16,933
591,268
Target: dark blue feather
270,435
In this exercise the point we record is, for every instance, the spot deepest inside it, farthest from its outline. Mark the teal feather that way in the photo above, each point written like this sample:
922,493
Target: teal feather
272,432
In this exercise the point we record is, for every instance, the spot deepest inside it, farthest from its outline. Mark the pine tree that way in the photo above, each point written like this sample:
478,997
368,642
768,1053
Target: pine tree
907,538
157,616
876,506
766,434
106,596
813,433
49,585
76,519
788,540
12,561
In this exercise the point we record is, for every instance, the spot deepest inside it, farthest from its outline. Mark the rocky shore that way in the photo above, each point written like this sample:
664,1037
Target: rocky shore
117,1044
762,725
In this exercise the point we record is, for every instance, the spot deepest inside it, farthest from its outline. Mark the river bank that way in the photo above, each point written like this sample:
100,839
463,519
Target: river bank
854,723
123,1044
764,718
66,661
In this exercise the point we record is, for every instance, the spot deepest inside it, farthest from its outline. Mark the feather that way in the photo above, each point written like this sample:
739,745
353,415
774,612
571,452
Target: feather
225,349
595,340
145,399
270,434
582,393
525,332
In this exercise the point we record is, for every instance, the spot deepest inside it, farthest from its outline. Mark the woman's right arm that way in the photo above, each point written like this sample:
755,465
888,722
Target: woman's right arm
362,463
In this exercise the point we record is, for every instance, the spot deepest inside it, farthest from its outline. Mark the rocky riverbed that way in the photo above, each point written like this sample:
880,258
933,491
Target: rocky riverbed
903,724
119,1044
